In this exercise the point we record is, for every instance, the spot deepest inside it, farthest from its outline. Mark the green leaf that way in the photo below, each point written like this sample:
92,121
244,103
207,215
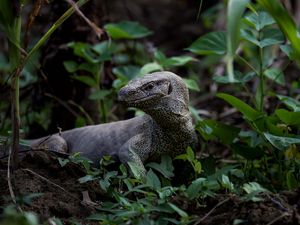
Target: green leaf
179,60
86,179
281,143
226,183
238,78
86,80
70,66
275,75
150,67
271,36
253,189
289,118
285,23
209,44
152,180
248,112
291,181
211,129
128,72
259,20
250,153
165,167
290,102
99,94
191,84
178,210
126,30
288,50
190,154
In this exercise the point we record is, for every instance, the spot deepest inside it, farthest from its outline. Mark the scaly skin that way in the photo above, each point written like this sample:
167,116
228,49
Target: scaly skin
166,128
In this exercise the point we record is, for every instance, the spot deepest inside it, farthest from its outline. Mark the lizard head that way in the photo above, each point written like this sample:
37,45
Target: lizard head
154,91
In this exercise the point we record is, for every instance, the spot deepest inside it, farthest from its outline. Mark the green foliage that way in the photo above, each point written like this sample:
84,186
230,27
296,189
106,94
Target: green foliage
126,30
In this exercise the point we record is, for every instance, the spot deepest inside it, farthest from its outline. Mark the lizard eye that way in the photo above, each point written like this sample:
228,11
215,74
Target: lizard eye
149,87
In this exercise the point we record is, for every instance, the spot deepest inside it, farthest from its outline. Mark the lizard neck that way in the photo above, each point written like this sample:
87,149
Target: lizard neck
171,114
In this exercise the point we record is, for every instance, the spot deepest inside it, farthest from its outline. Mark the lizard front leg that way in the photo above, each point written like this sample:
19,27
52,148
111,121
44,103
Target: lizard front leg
133,152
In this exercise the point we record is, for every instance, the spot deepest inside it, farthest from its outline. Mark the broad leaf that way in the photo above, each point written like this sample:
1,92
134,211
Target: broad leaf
281,143
209,44
126,30
289,118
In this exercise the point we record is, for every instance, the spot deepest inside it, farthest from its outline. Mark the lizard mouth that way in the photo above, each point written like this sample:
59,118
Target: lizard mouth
140,100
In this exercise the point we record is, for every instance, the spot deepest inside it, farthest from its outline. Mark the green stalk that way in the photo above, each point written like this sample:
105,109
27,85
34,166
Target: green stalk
261,81
15,59
261,77
57,24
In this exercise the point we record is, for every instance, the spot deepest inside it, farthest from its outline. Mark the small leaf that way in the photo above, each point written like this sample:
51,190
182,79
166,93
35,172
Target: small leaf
195,188
281,143
271,36
275,75
179,60
165,167
291,181
178,210
288,50
126,30
226,183
259,20
191,84
86,179
128,72
86,80
99,94
70,66
150,67
209,44
152,180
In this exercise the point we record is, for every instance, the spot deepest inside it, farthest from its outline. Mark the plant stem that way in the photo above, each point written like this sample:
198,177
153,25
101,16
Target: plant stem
15,58
261,80
57,24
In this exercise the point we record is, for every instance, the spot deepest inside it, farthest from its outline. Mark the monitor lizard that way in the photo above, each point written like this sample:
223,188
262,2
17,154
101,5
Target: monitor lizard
165,128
